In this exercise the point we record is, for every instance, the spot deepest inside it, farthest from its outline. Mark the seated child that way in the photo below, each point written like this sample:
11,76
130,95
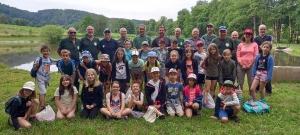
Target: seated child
135,99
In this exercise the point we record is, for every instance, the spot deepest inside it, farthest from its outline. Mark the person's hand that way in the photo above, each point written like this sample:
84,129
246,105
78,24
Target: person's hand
213,117
187,104
140,81
252,78
107,82
249,66
68,110
132,96
244,67
119,115
28,103
157,106
81,78
63,111
114,115
224,107
36,64
88,107
92,106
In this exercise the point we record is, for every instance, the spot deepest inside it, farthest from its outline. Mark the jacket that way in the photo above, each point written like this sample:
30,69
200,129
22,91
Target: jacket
113,75
184,69
270,65
149,89
96,97
228,99
18,110
198,93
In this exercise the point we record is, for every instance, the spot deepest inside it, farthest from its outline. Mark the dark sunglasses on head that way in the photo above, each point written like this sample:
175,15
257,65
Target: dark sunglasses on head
72,32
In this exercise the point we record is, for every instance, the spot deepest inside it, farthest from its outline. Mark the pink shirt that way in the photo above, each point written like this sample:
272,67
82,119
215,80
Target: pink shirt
246,54
192,94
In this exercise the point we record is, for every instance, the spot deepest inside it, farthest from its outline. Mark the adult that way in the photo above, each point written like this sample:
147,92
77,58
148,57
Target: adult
177,33
195,38
222,41
161,36
108,45
137,41
259,40
246,54
209,36
90,43
123,34
236,42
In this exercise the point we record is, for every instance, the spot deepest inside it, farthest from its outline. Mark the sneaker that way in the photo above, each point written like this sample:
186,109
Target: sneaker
196,112
125,118
236,119
42,108
33,119
268,94
162,117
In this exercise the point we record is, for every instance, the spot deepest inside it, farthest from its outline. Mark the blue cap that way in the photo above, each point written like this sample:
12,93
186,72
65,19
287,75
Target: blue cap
186,42
86,53
152,54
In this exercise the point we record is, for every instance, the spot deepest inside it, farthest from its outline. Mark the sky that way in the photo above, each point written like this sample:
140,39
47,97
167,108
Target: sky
129,9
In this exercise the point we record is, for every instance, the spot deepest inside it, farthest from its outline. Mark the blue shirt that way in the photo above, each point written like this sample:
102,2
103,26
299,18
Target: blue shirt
128,54
173,90
108,47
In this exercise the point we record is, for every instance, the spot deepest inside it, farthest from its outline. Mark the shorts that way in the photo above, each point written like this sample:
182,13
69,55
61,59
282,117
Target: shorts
103,78
211,78
200,78
174,108
225,113
261,75
42,86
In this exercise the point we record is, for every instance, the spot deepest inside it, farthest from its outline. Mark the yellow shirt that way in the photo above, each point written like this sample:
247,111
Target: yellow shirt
148,68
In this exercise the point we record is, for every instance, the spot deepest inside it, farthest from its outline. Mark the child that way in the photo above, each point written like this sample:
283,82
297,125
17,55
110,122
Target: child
86,63
174,94
189,65
144,51
135,99
127,49
136,68
43,73
192,97
120,70
262,70
115,102
91,95
174,47
161,57
228,68
66,65
105,69
200,55
155,92
173,62
151,62
65,98
227,104
212,65
187,44
26,110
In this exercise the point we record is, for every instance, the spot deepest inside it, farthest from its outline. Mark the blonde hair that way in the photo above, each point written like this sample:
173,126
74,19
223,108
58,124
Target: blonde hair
96,81
65,51
226,51
174,51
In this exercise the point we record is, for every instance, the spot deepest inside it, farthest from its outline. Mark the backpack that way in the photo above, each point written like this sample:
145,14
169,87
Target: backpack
34,73
155,63
259,107
120,98
61,64
8,104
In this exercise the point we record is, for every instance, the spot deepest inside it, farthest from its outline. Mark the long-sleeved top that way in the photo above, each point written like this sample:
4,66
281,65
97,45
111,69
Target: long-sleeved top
18,110
268,64
95,97
227,70
246,54
198,95
161,96
230,99
114,72
184,68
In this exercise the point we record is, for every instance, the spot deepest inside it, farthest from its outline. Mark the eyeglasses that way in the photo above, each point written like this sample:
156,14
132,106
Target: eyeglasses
72,32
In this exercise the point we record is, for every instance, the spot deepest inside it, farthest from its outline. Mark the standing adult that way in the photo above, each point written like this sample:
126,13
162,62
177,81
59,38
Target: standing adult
236,42
137,41
72,44
161,36
222,41
259,40
195,38
246,54
209,36
108,45
90,43
123,34
177,33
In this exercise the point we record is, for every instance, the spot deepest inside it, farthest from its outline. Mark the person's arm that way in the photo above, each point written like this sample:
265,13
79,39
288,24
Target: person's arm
234,102
98,46
139,102
83,96
149,38
79,74
57,98
184,97
255,66
254,54
220,73
60,46
238,54
199,97
234,70
75,97
132,75
98,101
270,68
81,45
141,72
113,71
195,66
203,64
108,103
130,101
123,103
127,73
73,76
148,94
14,112
134,43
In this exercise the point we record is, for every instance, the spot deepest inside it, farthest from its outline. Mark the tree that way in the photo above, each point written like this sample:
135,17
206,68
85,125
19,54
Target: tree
3,19
85,22
128,24
101,22
19,21
182,15
51,34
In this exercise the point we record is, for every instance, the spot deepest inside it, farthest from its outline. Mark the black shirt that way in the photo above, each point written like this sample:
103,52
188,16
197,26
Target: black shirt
259,40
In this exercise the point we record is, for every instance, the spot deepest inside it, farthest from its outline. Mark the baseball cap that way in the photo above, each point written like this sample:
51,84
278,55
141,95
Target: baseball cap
161,41
106,30
210,24
186,42
199,43
228,83
145,43
154,69
86,53
222,28
248,31
192,76
174,40
135,52
105,57
29,85
172,70
152,54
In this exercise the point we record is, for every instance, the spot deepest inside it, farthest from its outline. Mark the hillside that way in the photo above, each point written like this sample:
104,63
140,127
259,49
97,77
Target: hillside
61,17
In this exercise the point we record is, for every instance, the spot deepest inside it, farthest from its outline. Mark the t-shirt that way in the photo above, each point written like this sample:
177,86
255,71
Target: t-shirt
136,67
200,58
105,69
137,41
90,45
177,65
148,66
155,93
208,39
115,103
72,47
173,90
67,68
120,70
108,47
161,56
193,42
189,67
128,54
192,94
65,99
224,44
179,50
43,73
262,62
180,42
144,55
259,40
246,54
166,39
139,96
212,69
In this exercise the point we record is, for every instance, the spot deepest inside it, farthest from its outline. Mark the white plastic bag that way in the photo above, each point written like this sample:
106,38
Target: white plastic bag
210,103
46,115
151,113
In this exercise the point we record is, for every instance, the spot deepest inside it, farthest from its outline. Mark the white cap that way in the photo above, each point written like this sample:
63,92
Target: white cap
192,76
172,70
135,52
29,85
154,69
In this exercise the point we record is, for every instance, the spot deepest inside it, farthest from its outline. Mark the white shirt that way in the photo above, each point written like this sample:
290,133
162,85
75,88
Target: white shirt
155,93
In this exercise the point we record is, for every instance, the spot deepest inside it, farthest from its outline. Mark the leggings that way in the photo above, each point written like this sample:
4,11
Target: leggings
241,75
90,113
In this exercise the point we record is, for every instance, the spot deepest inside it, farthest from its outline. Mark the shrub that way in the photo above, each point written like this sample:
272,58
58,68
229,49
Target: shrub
51,34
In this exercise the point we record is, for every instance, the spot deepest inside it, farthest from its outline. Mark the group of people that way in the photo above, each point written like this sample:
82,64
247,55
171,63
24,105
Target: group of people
172,71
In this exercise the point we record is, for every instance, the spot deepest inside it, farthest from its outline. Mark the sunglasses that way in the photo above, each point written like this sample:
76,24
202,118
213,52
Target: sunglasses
107,32
72,32
222,27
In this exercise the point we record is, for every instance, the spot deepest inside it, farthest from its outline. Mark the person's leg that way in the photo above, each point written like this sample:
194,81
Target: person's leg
170,109
33,108
195,106
213,88
269,88
23,123
105,112
223,116
207,89
71,114
262,85
249,72
85,113
179,110
255,82
236,110
126,112
42,90
188,112
240,76
94,112
59,115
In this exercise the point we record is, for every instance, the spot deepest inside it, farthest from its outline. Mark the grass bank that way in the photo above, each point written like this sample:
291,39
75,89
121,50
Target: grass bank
283,118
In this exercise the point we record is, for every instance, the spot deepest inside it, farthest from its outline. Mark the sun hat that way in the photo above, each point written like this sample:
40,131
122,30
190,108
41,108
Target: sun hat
172,70
29,85
135,52
154,69
105,57
192,76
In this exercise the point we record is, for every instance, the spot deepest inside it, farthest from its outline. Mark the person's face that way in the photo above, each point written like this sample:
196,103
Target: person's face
247,36
86,59
222,34
174,44
161,31
200,48
123,33
177,33
209,29
135,88
127,45
45,52
262,30
195,34
155,75
172,76
72,33
107,34
90,76
65,82
213,50
120,55
161,45
227,56
135,58
151,59
191,81
234,36
187,45
104,63
27,92
90,31
188,54
145,47
266,48
115,87
65,56
174,57
142,30
227,89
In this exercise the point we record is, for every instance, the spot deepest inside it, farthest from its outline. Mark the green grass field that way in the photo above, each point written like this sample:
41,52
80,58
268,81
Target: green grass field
283,118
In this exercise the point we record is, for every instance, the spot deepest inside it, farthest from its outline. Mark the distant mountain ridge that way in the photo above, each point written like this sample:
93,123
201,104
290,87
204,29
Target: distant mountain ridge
61,17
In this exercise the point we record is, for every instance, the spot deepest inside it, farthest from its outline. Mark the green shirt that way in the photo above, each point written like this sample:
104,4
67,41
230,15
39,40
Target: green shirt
90,45
208,39
72,47
121,42
180,42
137,41
224,44
236,43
